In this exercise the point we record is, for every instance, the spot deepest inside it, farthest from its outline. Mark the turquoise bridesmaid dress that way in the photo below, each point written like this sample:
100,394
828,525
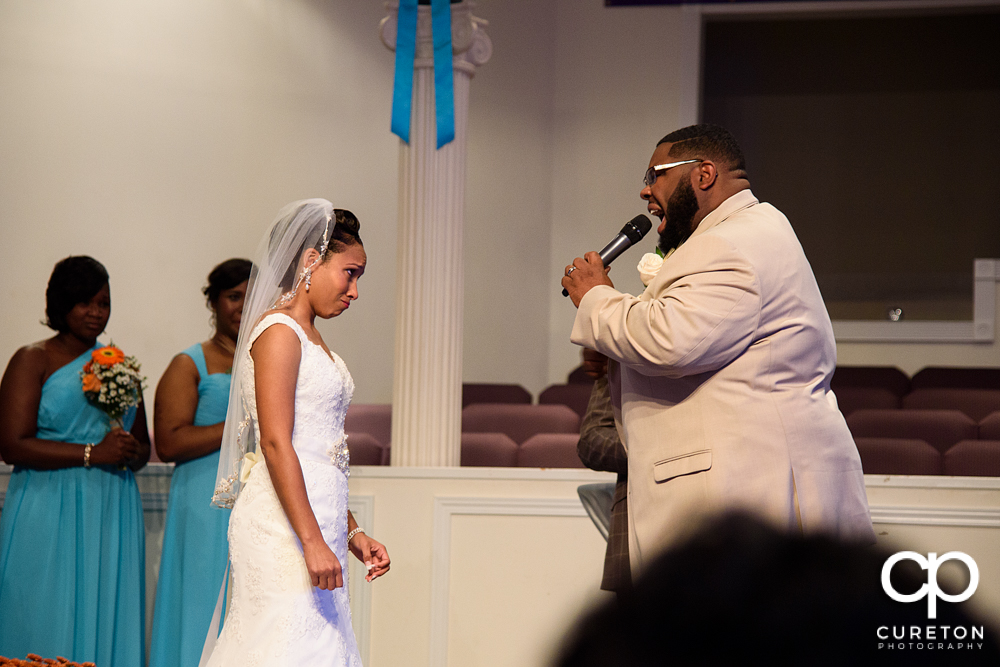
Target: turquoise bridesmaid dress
72,546
195,549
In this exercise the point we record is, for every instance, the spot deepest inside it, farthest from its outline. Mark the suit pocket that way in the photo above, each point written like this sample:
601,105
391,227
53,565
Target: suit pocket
682,465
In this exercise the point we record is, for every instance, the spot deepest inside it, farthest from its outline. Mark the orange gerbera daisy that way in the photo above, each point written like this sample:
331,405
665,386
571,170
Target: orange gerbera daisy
108,355
91,383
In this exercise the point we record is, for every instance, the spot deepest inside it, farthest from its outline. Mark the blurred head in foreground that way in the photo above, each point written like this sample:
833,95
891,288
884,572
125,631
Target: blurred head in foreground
741,592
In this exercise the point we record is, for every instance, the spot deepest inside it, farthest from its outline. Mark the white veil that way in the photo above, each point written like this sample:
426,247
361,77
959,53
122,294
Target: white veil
275,275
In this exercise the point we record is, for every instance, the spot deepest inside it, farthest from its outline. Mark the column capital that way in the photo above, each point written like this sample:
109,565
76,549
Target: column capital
471,47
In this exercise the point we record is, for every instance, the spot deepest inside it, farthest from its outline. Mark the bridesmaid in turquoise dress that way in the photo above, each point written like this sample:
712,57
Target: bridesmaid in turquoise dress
191,402
72,559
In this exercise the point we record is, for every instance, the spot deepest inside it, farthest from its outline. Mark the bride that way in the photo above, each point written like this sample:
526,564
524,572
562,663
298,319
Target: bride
290,527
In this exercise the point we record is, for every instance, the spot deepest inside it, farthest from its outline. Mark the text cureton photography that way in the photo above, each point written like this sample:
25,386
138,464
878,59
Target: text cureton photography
931,637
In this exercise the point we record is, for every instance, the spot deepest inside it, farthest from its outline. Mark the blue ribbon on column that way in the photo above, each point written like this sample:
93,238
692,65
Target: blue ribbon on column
406,46
444,86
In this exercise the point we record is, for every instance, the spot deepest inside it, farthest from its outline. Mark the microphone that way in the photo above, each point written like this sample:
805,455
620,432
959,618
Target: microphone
631,233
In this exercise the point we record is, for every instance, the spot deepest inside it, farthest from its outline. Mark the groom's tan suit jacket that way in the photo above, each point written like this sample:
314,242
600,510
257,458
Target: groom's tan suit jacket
721,390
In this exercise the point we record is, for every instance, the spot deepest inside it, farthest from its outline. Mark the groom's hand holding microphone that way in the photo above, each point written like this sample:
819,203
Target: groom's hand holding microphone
592,270
584,274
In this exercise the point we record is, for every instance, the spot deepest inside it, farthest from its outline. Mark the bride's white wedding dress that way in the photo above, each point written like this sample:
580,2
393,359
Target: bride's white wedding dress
277,617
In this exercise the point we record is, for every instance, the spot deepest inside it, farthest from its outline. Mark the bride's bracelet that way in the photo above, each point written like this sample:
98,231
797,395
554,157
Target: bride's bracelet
353,533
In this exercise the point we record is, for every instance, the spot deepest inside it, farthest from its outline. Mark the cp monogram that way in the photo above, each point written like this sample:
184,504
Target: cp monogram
930,589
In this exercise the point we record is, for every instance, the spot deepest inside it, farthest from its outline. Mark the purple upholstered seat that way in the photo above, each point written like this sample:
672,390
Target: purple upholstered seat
889,378
989,427
549,450
939,428
494,393
366,450
488,449
869,387
575,396
976,403
850,399
956,378
519,422
579,376
375,419
898,456
974,458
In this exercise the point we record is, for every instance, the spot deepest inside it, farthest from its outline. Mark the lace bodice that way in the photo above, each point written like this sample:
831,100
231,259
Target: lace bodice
322,395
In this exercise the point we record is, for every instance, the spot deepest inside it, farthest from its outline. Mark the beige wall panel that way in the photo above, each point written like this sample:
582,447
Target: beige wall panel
517,583
451,579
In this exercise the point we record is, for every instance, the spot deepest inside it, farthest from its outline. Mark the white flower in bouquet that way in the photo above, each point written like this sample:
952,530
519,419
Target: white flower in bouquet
112,382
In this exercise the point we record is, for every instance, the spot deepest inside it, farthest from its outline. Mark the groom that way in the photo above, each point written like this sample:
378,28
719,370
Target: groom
722,386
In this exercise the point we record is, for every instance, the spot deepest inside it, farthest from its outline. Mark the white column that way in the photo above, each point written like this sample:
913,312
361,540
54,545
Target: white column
427,388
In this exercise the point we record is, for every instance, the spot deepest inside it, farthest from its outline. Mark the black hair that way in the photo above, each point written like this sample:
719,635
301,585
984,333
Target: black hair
74,280
225,276
346,231
709,142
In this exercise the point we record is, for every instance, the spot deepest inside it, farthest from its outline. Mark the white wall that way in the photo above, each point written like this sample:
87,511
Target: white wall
509,198
162,137
616,94
911,357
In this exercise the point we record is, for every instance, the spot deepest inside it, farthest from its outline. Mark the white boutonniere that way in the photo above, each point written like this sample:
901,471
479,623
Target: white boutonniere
650,265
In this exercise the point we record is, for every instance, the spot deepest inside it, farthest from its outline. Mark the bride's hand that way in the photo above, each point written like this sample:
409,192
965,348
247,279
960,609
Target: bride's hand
372,553
324,568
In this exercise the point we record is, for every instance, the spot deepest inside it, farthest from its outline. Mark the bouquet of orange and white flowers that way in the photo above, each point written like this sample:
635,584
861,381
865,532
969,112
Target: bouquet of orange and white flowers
112,382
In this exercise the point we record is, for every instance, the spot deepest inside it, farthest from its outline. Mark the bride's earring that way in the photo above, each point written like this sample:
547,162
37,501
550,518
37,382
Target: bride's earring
306,276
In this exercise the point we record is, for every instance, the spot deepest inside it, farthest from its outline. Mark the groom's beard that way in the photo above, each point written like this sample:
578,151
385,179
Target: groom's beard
681,209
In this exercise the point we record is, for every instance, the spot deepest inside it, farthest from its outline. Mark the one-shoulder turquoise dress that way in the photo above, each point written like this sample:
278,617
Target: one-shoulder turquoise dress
195,548
72,546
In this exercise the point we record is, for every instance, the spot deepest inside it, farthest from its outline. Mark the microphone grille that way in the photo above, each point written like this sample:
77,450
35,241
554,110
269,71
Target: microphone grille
637,227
